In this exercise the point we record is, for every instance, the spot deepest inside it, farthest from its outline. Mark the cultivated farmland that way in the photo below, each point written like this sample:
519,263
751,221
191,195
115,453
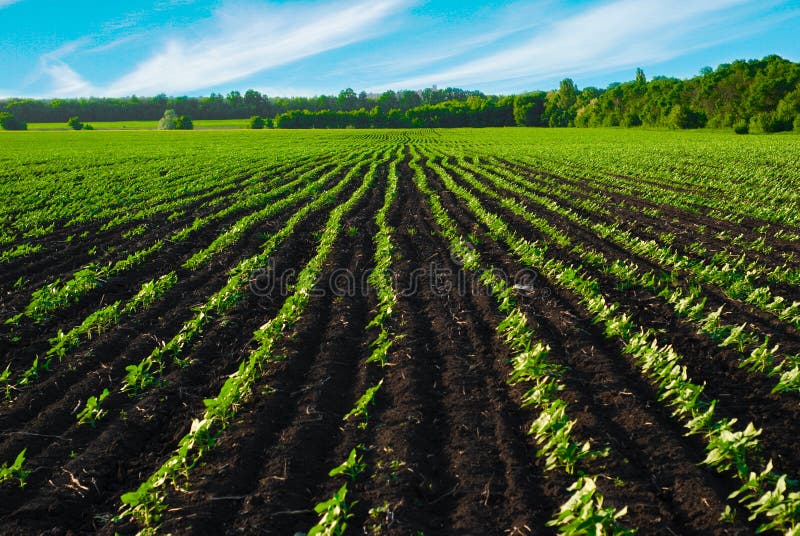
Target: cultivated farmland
490,331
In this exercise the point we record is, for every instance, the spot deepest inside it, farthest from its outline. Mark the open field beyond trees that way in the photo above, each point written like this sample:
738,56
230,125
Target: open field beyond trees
201,124
476,331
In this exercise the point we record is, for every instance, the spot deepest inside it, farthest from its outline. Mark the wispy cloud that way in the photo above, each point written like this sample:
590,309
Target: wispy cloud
613,35
116,43
66,82
67,49
4,3
243,41
128,20
169,4
439,45
313,46
435,40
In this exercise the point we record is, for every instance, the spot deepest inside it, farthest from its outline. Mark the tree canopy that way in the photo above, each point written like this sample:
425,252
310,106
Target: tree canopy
75,123
9,122
169,121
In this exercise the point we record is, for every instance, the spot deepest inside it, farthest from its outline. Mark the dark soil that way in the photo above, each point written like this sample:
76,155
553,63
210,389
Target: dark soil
446,446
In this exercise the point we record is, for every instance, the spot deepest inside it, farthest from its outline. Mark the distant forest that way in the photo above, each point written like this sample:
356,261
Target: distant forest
755,95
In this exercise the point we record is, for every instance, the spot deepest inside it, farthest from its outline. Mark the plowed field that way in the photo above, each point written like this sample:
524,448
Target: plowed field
485,331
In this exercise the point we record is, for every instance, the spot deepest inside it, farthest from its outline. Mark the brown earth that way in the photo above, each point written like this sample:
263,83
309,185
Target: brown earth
446,446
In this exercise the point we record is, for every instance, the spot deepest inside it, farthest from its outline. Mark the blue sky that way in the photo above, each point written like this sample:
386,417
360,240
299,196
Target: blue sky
193,47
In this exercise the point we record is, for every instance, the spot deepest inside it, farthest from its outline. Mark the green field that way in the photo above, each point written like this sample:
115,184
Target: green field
201,124
405,331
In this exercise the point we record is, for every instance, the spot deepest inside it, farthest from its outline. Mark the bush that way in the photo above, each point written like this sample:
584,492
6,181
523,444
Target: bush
769,122
682,117
184,122
797,124
74,123
741,127
169,121
611,120
87,126
631,120
9,122
528,109
256,122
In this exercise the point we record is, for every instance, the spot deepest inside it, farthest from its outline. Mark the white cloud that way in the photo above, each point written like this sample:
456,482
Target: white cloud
68,48
128,20
612,35
4,3
243,41
66,82
512,47
116,43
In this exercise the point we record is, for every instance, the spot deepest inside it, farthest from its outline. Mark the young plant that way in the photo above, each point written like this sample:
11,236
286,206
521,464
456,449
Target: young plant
335,512
352,467
32,373
5,380
584,514
15,470
92,412
552,430
361,408
146,504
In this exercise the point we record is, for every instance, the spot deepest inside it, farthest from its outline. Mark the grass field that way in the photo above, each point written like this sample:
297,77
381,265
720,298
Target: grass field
200,124
476,331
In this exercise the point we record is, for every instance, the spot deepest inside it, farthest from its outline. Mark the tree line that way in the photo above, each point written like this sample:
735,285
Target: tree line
747,95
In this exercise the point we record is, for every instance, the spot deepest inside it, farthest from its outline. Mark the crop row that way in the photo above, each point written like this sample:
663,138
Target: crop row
689,303
108,317
147,503
334,512
728,450
584,509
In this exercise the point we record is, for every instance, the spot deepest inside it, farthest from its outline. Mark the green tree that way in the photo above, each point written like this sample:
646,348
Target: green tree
255,103
789,107
683,117
560,105
347,99
767,122
387,100
169,121
396,119
377,118
234,99
9,122
74,123
408,99
184,122
631,119
529,108
256,122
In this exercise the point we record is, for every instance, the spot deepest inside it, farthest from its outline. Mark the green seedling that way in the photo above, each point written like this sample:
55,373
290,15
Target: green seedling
584,513
92,412
15,470
5,380
335,512
352,466
361,408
